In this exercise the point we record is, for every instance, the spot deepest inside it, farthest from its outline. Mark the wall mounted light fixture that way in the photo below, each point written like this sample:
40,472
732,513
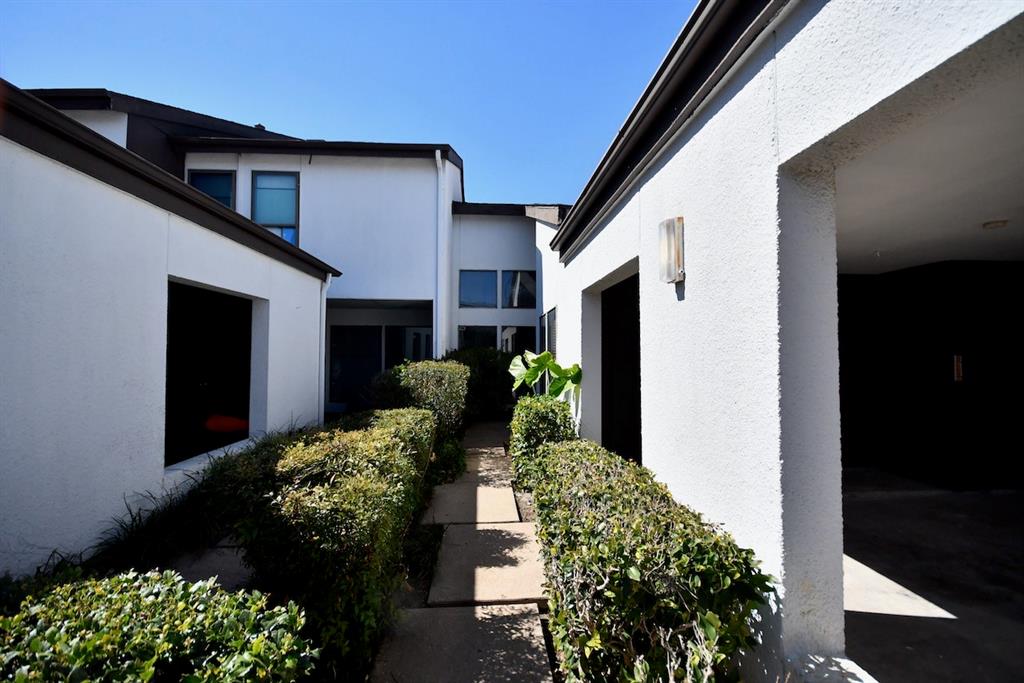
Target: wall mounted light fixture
670,258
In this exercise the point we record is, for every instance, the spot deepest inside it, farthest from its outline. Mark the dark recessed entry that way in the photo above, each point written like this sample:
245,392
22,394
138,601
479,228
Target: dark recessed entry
620,368
209,349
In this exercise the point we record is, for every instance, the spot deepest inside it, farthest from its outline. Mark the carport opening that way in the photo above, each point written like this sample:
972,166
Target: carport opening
209,354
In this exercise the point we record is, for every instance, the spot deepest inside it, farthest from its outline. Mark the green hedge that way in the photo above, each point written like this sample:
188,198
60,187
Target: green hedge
328,530
641,588
440,387
140,627
415,427
537,420
489,391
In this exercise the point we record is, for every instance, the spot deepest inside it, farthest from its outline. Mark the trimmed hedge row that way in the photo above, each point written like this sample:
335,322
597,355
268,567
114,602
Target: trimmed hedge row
140,627
641,588
489,392
328,530
537,420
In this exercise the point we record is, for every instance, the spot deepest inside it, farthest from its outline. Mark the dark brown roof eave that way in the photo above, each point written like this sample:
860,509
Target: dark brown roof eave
101,98
36,125
317,147
549,213
717,33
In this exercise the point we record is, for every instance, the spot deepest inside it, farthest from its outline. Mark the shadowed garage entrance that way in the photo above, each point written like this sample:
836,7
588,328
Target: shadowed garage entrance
930,245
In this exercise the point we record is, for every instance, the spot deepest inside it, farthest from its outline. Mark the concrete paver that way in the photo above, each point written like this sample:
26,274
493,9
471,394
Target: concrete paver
468,501
473,644
488,564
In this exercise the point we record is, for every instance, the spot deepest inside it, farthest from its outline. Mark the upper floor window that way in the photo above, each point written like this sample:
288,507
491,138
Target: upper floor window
218,184
478,288
275,203
519,289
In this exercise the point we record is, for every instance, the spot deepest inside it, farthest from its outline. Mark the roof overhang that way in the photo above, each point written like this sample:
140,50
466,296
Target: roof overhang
102,99
317,147
717,33
548,213
32,123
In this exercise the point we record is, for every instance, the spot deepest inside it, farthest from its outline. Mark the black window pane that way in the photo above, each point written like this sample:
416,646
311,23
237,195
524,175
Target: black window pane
476,336
478,289
220,186
518,339
519,288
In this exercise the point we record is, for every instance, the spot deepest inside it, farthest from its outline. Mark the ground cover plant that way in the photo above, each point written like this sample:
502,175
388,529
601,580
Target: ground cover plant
142,627
641,588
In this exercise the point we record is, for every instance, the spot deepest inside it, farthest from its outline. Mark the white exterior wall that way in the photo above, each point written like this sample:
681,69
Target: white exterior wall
112,125
720,425
84,271
384,222
491,243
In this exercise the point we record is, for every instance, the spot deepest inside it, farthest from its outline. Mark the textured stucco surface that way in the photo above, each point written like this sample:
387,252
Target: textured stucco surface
112,125
83,295
739,375
490,243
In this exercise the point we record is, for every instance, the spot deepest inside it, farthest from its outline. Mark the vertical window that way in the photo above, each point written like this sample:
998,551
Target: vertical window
478,289
218,184
477,336
551,336
519,289
275,203
518,338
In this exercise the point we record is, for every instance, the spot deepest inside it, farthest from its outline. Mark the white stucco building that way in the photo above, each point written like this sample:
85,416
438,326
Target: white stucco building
145,326
799,142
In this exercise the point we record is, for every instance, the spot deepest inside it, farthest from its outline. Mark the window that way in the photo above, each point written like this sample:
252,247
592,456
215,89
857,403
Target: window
519,289
551,331
209,353
218,184
518,339
275,203
478,289
476,336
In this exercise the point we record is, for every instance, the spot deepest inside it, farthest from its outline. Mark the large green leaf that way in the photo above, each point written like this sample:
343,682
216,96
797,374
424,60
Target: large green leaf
518,371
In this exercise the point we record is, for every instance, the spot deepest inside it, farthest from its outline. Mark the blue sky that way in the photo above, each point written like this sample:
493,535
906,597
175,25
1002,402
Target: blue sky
530,94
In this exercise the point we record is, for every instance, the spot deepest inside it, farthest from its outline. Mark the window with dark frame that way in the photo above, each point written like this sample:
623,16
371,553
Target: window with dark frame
275,203
478,336
218,184
478,289
518,289
518,338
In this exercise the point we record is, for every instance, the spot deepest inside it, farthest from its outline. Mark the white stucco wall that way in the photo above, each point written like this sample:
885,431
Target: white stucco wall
112,125
721,425
84,271
491,243
384,222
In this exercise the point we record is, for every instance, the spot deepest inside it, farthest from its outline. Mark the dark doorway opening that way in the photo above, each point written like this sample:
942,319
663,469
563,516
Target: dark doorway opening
209,350
620,368
356,358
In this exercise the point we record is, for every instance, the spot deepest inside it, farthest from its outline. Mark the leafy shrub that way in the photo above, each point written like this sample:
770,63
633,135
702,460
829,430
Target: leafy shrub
329,532
537,420
438,386
489,393
414,427
138,627
641,588
449,462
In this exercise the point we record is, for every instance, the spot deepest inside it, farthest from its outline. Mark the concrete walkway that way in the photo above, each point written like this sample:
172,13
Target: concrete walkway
482,621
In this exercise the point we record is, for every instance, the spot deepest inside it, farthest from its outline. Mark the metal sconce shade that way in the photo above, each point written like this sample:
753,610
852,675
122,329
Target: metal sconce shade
670,256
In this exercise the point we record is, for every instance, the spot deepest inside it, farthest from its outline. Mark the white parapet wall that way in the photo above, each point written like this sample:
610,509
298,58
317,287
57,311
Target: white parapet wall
84,272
